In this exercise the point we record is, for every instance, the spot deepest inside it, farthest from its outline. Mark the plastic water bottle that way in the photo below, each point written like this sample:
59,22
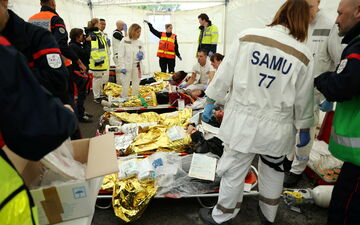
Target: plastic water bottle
322,195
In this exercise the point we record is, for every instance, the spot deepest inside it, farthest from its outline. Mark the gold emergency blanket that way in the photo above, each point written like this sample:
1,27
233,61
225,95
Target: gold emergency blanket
159,76
109,182
155,138
134,101
178,118
131,197
112,89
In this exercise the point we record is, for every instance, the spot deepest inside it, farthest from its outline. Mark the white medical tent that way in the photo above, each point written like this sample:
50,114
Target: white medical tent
230,16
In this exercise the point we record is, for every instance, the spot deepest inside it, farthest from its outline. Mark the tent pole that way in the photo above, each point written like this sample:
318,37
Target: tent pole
225,24
90,4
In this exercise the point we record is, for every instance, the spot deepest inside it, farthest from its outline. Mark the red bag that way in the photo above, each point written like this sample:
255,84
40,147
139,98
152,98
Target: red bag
174,96
325,130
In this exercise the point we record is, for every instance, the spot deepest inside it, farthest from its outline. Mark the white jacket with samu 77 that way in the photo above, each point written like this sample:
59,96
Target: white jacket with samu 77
269,74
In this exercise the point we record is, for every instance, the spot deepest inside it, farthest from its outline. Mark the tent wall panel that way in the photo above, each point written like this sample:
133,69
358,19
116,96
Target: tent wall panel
237,16
75,14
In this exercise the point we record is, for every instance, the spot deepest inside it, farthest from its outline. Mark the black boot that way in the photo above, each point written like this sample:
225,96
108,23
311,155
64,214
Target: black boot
291,179
205,215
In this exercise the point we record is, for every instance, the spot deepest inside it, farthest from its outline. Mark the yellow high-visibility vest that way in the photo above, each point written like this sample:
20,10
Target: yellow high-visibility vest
16,205
210,35
99,58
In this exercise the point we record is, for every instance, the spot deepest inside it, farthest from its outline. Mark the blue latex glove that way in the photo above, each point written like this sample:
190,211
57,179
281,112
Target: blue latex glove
125,28
326,106
207,114
123,71
210,53
182,85
140,56
304,136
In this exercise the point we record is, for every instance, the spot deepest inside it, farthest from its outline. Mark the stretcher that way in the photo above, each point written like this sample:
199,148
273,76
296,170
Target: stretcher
251,182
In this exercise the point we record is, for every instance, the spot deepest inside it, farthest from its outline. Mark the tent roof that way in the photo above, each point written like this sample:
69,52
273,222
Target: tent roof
146,2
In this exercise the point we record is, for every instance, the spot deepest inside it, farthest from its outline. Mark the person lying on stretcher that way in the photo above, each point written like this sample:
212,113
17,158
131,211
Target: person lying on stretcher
172,98
200,144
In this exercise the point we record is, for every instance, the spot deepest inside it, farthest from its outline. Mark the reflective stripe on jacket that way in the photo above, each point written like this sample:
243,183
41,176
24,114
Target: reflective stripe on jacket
16,206
167,46
99,58
345,135
43,19
210,35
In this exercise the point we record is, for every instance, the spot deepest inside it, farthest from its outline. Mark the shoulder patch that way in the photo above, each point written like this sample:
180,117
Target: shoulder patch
62,30
342,66
54,60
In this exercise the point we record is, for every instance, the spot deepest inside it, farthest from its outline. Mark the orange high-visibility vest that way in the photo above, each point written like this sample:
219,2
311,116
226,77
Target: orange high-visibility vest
43,19
167,46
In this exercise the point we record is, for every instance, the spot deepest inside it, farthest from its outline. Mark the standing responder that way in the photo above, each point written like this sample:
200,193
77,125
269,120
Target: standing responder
130,61
265,107
325,43
82,48
116,38
343,87
208,36
168,47
33,123
99,59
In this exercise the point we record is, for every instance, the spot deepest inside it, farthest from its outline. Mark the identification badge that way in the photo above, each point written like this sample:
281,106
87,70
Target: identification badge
54,60
342,66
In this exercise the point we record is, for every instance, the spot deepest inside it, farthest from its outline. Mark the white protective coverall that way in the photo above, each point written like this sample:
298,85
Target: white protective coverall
127,60
325,44
115,47
270,78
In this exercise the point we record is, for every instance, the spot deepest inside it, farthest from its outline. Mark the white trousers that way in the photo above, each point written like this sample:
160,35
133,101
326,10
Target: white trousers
233,168
99,79
301,156
135,82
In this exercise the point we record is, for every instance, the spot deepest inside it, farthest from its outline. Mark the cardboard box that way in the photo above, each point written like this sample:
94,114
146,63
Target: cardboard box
76,199
80,221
